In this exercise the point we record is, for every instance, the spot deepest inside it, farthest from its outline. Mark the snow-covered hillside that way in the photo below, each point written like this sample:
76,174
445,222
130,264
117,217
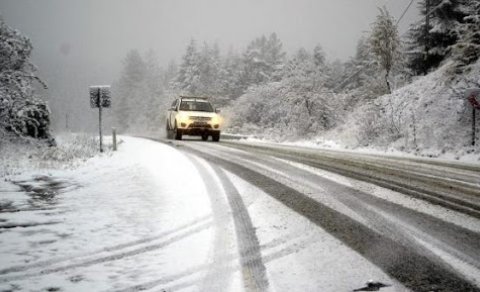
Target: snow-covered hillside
430,117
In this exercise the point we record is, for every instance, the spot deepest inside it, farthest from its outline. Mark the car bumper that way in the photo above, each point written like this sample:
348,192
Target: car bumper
199,130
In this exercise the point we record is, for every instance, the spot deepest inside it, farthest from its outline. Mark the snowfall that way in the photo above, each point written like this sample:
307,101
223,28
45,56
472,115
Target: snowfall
141,218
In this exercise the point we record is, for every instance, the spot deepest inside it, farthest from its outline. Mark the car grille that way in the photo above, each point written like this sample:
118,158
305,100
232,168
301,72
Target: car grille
200,119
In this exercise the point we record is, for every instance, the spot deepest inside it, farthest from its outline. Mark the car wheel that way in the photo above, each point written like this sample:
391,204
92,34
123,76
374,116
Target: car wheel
204,137
178,133
216,137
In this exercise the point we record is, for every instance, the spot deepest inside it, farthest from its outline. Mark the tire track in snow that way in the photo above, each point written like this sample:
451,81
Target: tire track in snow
275,249
162,235
219,273
82,262
465,241
412,268
253,268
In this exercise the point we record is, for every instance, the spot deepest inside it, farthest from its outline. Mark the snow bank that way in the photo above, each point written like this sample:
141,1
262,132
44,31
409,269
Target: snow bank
138,218
429,117
26,155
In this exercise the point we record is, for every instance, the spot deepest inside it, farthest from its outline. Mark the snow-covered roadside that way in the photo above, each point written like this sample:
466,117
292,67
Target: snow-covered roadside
323,144
138,216
427,118
24,155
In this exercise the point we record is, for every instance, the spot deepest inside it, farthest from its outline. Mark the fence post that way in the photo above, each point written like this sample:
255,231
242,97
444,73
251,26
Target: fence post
474,130
114,138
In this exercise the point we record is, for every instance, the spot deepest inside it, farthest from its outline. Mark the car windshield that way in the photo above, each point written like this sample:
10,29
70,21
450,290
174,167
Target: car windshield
196,106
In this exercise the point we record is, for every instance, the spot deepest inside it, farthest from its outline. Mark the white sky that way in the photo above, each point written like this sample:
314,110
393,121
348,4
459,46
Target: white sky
78,43
109,28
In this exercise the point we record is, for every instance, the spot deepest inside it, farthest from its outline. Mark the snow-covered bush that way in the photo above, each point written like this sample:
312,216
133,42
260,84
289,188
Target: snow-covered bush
19,155
22,113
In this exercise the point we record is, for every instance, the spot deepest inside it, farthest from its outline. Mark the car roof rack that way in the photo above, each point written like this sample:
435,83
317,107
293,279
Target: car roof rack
193,97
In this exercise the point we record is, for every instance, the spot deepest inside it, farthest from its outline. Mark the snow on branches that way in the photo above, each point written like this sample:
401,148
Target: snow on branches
22,113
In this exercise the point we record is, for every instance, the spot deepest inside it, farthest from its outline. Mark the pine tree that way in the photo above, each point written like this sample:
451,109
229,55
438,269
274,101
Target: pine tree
209,67
22,112
429,46
169,74
188,78
361,79
126,90
230,76
467,48
263,60
153,99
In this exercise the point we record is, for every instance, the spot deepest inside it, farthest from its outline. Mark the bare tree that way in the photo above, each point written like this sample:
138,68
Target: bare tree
385,42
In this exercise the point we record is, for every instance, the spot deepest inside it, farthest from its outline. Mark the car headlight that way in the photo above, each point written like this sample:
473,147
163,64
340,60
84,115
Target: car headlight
182,118
216,120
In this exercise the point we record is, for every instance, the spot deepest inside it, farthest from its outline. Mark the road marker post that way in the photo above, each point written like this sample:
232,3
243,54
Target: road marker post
114,139
100,98
473,97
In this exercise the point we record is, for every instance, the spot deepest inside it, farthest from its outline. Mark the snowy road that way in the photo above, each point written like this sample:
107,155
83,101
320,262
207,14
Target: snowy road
201,216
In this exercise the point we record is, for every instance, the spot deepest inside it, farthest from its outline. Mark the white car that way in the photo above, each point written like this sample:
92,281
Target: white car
194,116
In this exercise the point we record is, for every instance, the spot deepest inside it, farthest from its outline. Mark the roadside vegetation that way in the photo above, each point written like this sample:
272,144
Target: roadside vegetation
399,91
402,92
20,155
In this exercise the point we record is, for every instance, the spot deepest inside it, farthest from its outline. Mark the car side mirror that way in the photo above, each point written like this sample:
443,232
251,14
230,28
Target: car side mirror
217,110
173,108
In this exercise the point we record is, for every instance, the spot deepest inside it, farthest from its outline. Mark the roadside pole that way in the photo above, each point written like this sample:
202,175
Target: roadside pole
114,139
100,121
474,130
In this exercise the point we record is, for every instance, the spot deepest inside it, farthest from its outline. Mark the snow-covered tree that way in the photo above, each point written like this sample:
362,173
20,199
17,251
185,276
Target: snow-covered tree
263,59
170,74
230,76
209,69
188,77
429,46
298,105
140,94
22,112
467,48
361,79
385,43
132,76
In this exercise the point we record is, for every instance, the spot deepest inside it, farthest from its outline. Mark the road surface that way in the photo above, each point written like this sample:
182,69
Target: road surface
235,216
419,249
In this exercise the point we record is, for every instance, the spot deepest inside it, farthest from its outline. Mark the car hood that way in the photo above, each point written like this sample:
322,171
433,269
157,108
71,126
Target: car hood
199,114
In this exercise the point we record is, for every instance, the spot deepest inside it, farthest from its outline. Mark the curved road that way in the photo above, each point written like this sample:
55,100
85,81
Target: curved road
166,215
415,219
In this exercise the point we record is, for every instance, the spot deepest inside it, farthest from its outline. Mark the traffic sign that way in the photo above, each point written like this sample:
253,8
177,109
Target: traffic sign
100,96
473,96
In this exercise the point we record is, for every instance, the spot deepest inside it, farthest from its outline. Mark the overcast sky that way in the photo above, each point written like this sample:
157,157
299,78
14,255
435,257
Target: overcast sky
82,42
107,29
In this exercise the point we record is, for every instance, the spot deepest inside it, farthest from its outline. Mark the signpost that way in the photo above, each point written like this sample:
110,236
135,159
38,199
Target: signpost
473,97
100,98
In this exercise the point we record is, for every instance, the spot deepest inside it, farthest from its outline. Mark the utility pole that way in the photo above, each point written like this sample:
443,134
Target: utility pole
426,36
100,119
66,122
